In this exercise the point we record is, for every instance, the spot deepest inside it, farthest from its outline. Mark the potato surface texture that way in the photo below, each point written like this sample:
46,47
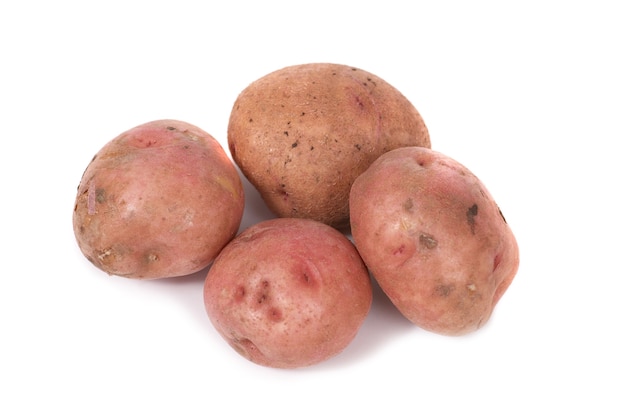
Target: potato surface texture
160,200
288,293
434,239
302,134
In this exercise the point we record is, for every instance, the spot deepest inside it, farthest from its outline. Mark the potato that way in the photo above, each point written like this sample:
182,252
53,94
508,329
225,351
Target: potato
160,200
302,134
434,239
288,293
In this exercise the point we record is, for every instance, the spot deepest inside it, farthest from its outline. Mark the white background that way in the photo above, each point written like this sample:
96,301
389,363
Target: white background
531,96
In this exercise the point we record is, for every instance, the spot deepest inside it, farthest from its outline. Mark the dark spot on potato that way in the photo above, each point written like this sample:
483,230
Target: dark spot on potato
306,278
100,195
443,290
428,241
312,148
302,114
250,120
240,293
408,205
171,128
357,146
502,215
471,215
275,314
294,145
286,133
262,295
359,102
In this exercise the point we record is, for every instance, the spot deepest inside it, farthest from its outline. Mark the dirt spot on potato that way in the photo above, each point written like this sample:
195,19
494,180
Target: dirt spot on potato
443,290
105,253
471,214
428,241
408,205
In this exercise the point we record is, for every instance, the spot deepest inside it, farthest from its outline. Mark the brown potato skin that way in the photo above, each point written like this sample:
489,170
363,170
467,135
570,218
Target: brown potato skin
288,293
434,239
302,134
160,200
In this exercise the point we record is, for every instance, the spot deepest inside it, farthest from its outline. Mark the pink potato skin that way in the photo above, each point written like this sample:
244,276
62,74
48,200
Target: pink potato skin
160,200
288,293
434,239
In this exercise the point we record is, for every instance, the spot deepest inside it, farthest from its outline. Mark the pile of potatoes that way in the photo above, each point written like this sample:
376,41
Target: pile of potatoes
344,161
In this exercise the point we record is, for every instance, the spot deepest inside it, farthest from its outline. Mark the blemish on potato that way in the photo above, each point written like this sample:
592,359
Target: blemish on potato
428,241
243,346
502,215
471,214
262,295
408,205
443,290
100,195
399,250
275,314
240,293
471,287
497,260
103,254
91,198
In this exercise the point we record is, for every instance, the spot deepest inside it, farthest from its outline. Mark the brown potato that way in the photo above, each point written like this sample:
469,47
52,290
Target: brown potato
434,239
302,134
160,200
288,293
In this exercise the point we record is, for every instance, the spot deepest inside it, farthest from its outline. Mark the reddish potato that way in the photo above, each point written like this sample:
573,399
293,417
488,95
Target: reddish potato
434,239
160,200
288,293
303,133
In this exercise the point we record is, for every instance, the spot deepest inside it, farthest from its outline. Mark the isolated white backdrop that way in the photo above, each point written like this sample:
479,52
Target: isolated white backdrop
529,95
